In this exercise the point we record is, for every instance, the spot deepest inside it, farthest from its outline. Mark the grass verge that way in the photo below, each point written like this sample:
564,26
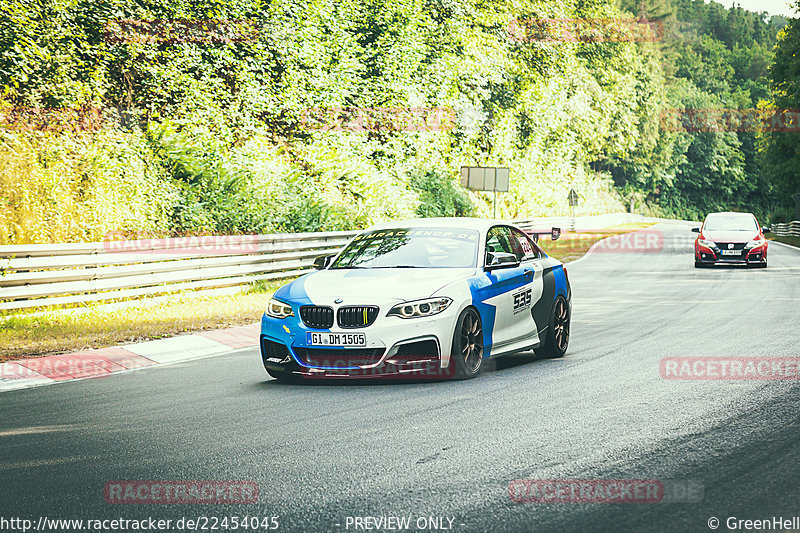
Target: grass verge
62,330
791,241
96,326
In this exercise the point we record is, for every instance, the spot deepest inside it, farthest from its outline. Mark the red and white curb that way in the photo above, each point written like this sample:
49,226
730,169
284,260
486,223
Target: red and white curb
98,363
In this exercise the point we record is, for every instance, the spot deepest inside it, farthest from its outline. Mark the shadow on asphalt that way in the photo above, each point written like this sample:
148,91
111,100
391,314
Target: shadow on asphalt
492,365
732,266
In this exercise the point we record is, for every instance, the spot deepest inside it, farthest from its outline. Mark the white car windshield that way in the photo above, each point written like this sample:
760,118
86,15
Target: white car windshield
411,248
730,222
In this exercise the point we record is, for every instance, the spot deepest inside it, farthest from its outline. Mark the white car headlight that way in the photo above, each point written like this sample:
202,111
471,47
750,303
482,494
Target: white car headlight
278,309
755,243
706,243
420,308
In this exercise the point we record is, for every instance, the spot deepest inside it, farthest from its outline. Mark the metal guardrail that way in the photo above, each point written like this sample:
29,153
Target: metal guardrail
789,229
39,275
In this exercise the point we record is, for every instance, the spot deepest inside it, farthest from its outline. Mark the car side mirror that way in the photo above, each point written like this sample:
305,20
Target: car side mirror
496,260
555,233
765,229
695,230
322,261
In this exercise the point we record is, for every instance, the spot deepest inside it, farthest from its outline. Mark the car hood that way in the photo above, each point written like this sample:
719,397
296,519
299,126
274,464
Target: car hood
358,286
730,236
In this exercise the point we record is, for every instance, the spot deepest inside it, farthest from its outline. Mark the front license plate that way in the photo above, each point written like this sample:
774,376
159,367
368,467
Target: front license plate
731,252
336,339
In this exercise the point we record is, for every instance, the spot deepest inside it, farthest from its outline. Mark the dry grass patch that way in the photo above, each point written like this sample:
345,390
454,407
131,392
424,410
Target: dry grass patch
67,330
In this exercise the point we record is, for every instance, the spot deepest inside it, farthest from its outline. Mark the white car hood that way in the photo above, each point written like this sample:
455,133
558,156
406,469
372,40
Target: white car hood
730,236
361,286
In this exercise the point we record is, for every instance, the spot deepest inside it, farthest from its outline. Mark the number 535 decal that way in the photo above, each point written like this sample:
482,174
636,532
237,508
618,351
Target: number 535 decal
522,300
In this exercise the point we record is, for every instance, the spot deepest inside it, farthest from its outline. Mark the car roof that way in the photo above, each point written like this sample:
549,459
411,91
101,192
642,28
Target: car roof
735,213
480,224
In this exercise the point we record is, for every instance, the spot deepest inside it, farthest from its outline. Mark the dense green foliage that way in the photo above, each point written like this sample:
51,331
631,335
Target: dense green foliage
440,196
713,58
783,147
203,134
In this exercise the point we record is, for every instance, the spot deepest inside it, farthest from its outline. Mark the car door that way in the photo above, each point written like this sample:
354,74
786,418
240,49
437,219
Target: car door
541,279
507,291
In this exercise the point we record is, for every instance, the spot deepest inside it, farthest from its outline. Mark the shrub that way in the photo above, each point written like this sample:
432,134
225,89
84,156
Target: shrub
440,196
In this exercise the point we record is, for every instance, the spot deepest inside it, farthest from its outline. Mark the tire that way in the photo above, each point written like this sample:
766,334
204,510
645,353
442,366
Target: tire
557,341
698,264
467,352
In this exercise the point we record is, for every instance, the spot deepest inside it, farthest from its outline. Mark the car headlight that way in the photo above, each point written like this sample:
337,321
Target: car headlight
706,243
755,243
420,308
278,309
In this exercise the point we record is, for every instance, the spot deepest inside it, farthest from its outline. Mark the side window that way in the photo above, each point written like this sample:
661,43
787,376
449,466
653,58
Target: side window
499,240
527,248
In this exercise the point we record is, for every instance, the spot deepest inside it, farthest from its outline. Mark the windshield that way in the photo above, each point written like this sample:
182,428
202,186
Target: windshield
730,222
411,248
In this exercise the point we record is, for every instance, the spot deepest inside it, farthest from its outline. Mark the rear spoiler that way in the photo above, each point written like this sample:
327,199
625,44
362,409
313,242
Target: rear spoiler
554,233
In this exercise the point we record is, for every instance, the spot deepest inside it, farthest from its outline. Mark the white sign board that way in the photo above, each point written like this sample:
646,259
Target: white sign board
485,178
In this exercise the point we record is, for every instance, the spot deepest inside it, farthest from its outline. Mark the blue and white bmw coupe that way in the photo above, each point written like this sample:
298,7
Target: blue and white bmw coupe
419,298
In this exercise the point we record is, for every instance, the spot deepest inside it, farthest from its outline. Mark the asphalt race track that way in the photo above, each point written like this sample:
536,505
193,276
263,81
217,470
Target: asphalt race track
321,453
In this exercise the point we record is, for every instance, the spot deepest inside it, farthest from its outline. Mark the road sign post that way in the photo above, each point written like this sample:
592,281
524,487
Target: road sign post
493,179
572,198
